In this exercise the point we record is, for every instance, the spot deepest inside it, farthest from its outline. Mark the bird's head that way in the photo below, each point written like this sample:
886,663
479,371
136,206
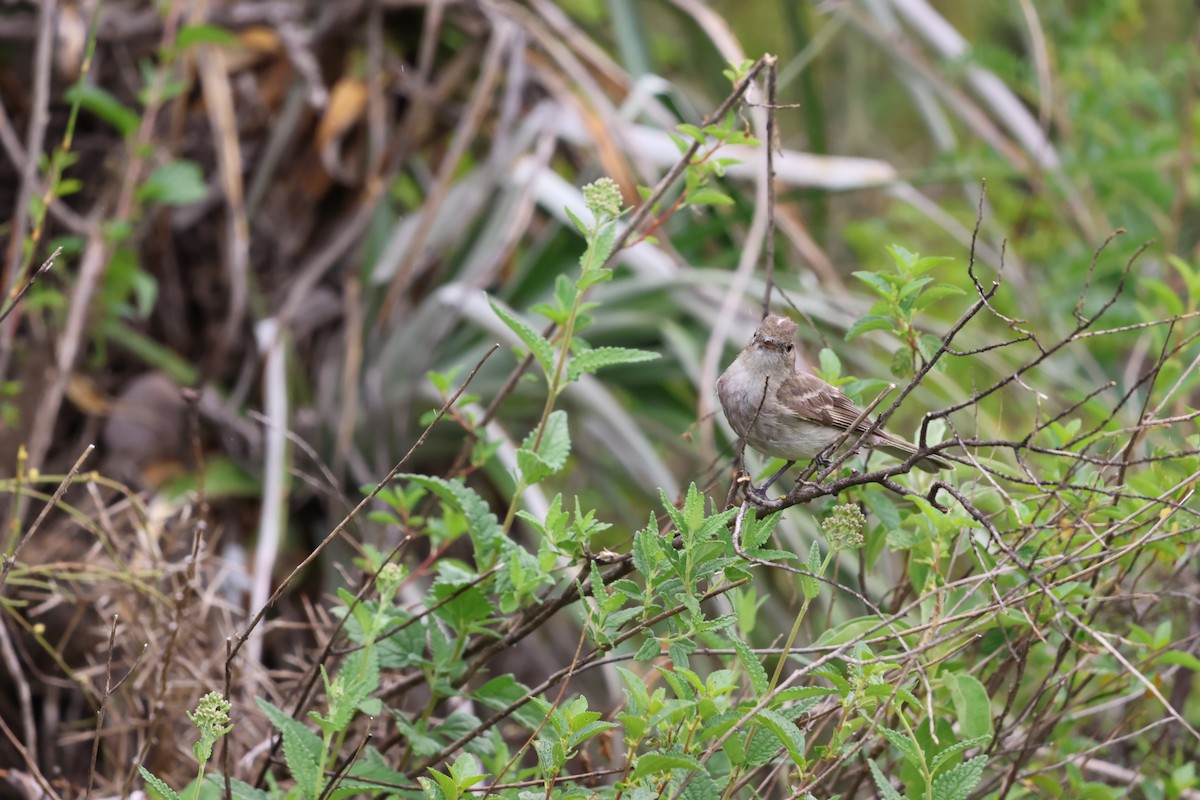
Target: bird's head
773,343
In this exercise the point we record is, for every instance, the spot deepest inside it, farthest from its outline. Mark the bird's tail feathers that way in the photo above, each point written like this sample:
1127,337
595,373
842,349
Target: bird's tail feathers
895,446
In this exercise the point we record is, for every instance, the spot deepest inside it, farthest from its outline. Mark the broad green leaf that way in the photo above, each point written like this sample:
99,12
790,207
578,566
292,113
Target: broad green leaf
501,692
654,763
538,346
881,285
239,789
912,287
552,452
938,292
649,650
871,322
831,365
204,33
301,748
956,748
959,782
591,360
786,731
848,631
482,524
175,183
907,747
692,131
593,276
104,105
972,704
708,196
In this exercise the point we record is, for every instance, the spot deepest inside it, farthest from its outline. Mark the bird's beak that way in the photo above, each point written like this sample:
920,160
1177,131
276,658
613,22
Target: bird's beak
769,343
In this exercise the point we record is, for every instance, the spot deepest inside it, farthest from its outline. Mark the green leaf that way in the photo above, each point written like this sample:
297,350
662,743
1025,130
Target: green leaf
786,731
593,276
577,222
175,183
239,789
956,748
156,788
537,344
591,360
708,196
871,322
809,585
959,782
599,249
104,105
753,667
654,763
204,33
886,790
937,292
879,283
907,747
649,650
831,365
972,704
551,455
301,748
501,692
482,524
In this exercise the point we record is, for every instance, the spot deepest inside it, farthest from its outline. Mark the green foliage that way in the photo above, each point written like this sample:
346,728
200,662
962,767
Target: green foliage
903,294
211,718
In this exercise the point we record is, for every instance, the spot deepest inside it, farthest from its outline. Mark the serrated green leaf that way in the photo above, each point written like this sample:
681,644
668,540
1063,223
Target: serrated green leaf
871,322
960,781
956,748
600,249
592,277
551,454
301,748
591,360
786,731
649,650
753,667
902,742
175,183
482,524
537,344
155,787
239,789
886,790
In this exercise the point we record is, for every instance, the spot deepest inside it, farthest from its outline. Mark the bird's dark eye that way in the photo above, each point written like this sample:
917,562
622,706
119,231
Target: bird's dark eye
788,347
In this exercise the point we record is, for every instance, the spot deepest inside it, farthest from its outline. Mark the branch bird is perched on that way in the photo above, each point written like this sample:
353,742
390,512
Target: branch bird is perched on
801,414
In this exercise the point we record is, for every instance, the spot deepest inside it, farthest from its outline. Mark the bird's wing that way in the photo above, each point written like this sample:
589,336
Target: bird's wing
814,400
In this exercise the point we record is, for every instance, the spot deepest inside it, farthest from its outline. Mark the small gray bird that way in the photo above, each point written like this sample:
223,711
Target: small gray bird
801,415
